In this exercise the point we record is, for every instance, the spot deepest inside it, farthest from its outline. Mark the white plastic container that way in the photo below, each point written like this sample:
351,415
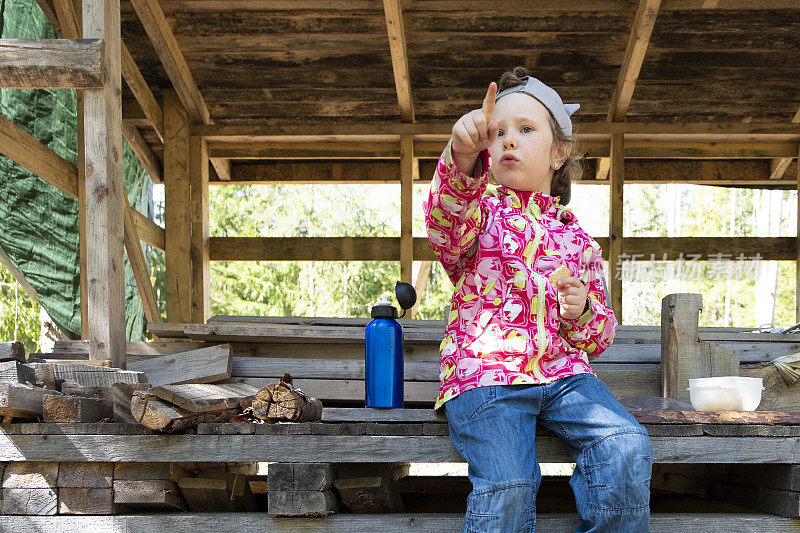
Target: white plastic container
725,393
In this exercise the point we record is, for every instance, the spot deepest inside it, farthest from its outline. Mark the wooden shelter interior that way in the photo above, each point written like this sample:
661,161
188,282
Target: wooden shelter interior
361,91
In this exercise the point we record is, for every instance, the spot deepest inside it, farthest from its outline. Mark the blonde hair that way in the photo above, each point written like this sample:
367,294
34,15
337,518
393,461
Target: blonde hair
571,170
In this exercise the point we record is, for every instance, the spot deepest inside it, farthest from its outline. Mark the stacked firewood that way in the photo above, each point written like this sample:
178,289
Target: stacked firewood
179,407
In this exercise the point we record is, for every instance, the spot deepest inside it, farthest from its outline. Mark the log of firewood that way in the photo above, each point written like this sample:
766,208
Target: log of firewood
282,402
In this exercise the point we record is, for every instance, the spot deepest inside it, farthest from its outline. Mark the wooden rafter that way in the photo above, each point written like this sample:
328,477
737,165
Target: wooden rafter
397,45
638,40
388,248
432,149
711,131
166,46
51,63
142,92
144,153
780,165
700,172
140,271
27,151
222,167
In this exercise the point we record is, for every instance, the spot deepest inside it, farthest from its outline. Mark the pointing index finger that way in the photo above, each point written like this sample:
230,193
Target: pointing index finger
488,102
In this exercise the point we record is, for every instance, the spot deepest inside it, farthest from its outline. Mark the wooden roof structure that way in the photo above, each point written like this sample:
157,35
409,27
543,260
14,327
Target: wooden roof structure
692,91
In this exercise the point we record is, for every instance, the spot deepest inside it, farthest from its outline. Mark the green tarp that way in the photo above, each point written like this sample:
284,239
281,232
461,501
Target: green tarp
39,223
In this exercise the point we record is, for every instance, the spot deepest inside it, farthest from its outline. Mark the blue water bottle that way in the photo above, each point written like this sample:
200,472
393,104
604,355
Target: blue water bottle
383,379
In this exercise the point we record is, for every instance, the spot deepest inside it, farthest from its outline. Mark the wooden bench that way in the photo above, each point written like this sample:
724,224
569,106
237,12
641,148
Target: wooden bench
756,462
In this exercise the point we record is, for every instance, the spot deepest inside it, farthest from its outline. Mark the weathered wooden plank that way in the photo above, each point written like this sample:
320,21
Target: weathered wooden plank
75,409
198,249
88,375
177,191
197,366
219,492
347,523
406,183
160,33
104,190
15,372
680,348
51,63
29,501
373,448
20,401
87,475
35,475
122,393
86,501
151,494
717,417
140,471
204,397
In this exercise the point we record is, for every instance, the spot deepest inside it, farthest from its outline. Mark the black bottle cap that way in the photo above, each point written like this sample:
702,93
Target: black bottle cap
384,311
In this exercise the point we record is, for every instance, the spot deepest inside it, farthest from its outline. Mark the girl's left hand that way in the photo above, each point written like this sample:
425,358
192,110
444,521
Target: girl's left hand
572,294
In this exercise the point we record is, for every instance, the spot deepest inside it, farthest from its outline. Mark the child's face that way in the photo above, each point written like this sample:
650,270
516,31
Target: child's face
523,154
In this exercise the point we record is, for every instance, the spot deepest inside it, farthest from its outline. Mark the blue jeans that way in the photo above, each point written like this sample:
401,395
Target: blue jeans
493,428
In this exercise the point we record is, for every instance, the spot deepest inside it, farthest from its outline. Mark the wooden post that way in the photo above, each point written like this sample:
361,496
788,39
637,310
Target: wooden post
177,205
81,163
680,344
104,190
797,246
406,210
198,176
617,179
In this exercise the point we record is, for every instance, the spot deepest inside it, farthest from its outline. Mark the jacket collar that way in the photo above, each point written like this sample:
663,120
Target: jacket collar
533,203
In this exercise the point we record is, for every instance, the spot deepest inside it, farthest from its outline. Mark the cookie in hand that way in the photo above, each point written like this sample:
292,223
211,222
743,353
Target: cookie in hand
558,274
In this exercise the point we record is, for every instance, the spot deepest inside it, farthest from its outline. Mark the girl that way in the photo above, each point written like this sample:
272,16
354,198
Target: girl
518,339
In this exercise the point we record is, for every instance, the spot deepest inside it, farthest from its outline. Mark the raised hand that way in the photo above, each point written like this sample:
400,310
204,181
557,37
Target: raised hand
475,131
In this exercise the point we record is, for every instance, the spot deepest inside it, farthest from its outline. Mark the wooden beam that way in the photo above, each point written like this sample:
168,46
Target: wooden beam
617,175
149,231
406,207
82,234
17,275
140,271
688,249
426,149
177,209
142,92
222,167
638,40
51,63
71,27
696,171
708,131
160,33
104,191
143,152
28,152
397,46
198,177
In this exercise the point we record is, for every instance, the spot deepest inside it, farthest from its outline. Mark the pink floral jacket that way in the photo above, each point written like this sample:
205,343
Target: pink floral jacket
498,246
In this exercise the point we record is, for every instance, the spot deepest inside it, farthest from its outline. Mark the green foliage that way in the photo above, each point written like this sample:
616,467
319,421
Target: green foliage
19,314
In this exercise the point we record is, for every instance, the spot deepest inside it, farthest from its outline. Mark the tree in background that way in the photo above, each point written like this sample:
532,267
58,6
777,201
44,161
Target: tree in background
19,314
